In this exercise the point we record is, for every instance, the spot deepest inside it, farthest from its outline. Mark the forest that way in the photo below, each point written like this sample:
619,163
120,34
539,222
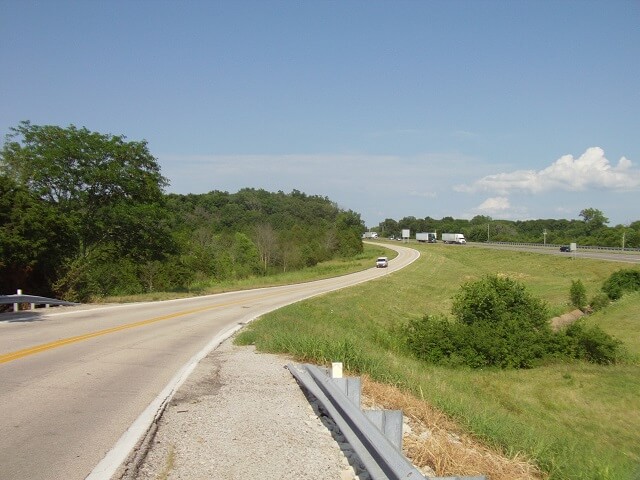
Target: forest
84,215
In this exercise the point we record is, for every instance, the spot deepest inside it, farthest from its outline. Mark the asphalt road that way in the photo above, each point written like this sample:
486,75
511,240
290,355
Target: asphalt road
77,386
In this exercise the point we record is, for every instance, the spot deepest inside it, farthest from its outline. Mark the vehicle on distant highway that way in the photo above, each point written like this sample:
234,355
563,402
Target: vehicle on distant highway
456,238
382,262
565,248
426,237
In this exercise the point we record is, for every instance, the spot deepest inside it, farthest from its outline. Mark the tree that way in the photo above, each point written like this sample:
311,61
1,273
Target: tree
86,175
33,240
108,192
578,294
266,240
245,256
389,227
348,230
480,220
593,218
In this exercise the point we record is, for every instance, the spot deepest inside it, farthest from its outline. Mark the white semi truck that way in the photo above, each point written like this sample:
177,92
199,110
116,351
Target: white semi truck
370,235
426,237
453,238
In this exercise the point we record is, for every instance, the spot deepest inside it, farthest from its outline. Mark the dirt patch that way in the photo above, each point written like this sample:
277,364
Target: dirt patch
434,443
567,319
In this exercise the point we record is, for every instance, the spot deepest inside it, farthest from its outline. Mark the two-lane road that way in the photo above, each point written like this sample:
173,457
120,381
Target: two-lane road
73,383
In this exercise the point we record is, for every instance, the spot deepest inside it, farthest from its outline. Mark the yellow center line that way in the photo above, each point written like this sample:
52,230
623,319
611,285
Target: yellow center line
8,357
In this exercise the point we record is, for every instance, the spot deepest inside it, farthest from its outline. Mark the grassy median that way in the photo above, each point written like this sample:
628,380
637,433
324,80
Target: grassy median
573,420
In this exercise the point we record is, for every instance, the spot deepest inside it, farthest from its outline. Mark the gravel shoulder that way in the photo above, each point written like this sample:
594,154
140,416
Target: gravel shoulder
241,414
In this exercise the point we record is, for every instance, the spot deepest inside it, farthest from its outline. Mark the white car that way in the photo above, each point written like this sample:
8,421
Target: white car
382,262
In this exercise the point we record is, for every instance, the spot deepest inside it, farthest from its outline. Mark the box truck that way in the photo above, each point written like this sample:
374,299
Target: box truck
453,238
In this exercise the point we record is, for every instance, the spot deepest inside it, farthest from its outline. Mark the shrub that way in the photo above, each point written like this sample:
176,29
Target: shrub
498,324
498,299
93,276
578,294
592,344
599,301
430,338
625,280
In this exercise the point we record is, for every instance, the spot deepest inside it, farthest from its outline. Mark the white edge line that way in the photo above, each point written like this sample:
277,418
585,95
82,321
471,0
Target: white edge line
107,467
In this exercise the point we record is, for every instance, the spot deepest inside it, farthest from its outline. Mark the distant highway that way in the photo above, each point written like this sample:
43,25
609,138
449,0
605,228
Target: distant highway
75,383
611,256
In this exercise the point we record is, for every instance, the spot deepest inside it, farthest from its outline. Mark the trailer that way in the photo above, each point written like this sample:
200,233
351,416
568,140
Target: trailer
426,237
456,238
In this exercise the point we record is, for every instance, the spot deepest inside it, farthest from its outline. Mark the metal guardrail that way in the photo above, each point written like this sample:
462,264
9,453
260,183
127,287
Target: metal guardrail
375,436
579,247
34,300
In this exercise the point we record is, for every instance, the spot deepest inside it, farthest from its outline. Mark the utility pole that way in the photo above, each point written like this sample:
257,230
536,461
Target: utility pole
544,237
488,232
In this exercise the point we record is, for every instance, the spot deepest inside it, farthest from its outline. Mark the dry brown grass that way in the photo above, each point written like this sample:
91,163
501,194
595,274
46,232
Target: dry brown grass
436,445
567,319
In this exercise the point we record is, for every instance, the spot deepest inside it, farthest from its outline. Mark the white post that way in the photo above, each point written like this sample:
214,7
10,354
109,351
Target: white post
336,370
16,306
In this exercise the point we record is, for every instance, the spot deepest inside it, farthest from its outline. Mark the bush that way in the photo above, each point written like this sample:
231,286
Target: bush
599,301
99,274
498,324
430,338
625,280
578,294
495,300
592,344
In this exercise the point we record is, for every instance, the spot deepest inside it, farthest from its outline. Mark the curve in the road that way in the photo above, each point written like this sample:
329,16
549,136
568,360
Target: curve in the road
119,453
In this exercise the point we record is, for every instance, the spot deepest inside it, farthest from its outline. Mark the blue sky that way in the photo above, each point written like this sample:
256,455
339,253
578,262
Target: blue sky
516,110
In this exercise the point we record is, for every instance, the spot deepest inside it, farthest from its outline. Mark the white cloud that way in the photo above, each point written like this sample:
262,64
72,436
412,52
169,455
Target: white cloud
494,205
499,207
590,170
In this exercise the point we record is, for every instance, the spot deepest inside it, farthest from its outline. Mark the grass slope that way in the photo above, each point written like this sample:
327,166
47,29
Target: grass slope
576,421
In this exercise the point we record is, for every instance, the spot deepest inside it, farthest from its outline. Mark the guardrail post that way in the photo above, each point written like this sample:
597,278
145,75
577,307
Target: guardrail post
16,306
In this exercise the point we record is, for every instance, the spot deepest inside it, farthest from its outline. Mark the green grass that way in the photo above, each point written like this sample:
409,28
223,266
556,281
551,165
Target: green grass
575,420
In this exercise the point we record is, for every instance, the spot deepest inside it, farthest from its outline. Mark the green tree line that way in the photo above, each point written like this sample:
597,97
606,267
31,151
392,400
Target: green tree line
590,229
84,214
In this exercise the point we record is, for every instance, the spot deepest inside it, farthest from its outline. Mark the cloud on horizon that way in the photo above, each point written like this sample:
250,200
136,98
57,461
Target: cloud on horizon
494,204
591,170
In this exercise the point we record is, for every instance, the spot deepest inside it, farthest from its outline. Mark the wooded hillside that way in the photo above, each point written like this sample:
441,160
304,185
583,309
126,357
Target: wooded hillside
84,214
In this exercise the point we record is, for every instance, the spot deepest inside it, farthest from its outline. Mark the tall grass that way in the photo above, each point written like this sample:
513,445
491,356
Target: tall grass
575,420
